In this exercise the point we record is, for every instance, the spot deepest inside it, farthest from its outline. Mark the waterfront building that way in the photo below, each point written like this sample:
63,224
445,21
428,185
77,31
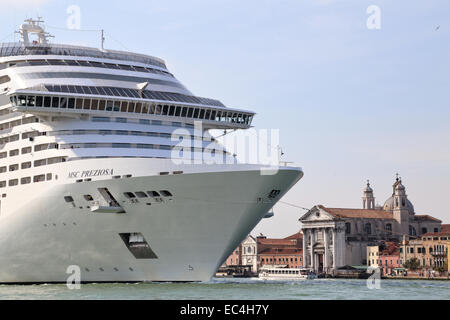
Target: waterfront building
431,250
389,259
293,241
235,259
373,256
249,255
245,255
281,257
336,237
254,252
286,252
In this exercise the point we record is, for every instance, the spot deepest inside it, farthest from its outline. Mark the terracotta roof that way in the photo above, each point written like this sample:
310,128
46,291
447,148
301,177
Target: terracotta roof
425,217
445,227
357,213
391,249
295,236
284,242
280,251
395,252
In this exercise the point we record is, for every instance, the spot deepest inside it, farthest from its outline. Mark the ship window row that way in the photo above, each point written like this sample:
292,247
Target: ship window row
18,49
52,145
27,180
80,63
26,135
140,146
18,122
151,194
125,92
36,163
99,76
128,133
132,107
25,150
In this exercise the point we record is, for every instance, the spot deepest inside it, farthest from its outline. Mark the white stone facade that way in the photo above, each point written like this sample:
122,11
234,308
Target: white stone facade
250,253
336,237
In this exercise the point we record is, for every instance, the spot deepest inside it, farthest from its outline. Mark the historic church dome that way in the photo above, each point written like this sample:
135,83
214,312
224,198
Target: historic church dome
389,205
399,190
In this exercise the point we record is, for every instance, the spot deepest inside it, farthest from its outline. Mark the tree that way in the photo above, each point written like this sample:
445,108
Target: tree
412,264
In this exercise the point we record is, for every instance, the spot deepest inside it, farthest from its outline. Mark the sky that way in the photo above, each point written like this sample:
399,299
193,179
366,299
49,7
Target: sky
351,103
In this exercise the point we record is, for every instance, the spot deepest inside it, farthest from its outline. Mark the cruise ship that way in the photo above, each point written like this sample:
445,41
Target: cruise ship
93,144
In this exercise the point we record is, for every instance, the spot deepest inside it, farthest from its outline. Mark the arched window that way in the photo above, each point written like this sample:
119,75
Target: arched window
412,231
389,228
368,228
424,230
348,228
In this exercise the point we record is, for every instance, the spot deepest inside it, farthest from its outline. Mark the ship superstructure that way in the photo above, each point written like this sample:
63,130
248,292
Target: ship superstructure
91,170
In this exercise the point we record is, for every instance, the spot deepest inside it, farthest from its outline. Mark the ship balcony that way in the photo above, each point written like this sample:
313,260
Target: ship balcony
72,106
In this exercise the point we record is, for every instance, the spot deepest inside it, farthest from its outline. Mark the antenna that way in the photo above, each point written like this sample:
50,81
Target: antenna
103,40
33,26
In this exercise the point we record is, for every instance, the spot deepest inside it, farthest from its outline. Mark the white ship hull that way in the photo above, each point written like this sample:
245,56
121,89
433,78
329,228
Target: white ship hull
210,213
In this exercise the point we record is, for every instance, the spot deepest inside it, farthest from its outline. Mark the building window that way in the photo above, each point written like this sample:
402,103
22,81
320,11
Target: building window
368,228
412,231
389,228
348,228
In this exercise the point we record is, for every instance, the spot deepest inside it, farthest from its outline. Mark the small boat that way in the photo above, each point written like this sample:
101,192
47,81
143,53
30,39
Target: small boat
286,274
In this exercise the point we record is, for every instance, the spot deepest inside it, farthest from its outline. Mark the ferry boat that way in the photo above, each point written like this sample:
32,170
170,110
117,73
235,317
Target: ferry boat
286,274
90,175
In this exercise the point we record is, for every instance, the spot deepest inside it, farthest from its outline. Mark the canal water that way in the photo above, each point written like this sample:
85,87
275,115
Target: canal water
239,289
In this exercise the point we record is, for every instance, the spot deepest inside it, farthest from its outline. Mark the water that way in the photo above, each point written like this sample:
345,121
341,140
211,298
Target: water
238,289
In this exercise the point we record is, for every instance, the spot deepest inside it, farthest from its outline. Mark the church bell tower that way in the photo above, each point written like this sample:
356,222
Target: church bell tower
368,198
400,210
